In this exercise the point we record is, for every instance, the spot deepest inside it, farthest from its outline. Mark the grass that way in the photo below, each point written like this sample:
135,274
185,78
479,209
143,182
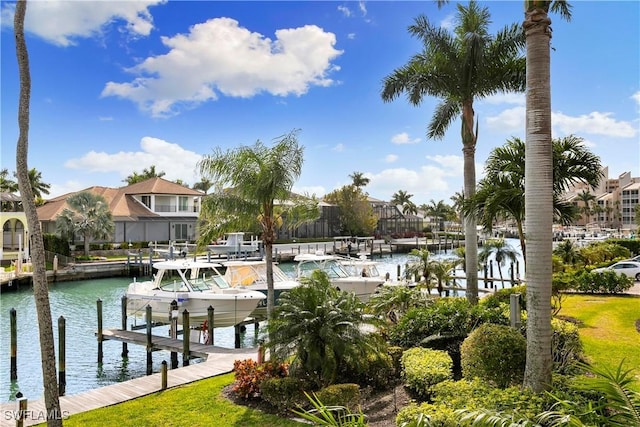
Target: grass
607,329
199,403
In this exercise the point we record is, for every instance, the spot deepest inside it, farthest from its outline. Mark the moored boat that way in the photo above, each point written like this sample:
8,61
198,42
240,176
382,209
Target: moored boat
194,285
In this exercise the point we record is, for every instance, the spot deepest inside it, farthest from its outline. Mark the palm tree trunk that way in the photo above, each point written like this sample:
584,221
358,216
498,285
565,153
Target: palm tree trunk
40,287
522,242
538,200
470,231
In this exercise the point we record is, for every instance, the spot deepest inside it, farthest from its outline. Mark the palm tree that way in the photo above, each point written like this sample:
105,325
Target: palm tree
317,328
586,198
420,266
568,252
439,211
203,185
260,180
401,198
359,180
442,271
501,251
38,187
500,194
40,286
149,173
7,185
88,214
392,302
539,189
459,69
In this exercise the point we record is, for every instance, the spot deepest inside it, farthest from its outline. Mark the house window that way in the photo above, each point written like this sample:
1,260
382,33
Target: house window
146,200
181,232
183,204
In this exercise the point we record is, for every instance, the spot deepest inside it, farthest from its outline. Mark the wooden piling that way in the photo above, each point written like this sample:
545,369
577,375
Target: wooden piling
186,332
398,271
149,340
100,339
163,371
210,325
491,271
125,350
62,362
22,411
486,274
236,330
173,330
14,344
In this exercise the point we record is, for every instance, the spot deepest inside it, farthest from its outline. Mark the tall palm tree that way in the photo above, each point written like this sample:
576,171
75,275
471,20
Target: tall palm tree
40,286
37,185
501,251
586,198
260,180
500,195
539,189
359,180
88,214
439,211
459,69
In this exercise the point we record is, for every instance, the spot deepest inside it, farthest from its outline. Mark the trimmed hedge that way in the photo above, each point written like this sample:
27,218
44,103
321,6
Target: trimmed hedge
494,353
347,395
422,368
284,394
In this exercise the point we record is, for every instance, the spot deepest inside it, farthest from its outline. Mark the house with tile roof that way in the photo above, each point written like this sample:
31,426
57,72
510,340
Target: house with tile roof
151,210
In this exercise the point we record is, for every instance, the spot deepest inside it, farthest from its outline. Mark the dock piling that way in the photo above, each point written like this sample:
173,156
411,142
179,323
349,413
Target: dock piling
100,338
125,350
22,411
210,325
173,330
14,344
186,332
149,340
62,374
163,370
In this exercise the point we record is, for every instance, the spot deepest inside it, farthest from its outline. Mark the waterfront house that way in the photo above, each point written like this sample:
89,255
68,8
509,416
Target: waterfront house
148,211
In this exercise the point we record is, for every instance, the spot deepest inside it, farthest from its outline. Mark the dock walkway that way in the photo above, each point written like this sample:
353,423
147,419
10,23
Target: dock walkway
218,361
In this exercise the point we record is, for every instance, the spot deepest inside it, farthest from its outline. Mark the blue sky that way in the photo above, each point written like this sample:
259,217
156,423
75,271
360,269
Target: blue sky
120,86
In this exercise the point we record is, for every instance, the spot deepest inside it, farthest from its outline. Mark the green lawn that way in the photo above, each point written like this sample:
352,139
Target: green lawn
196,404
607,328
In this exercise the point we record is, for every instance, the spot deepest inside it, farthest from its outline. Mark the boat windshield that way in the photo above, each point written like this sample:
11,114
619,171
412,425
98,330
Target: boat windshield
331,267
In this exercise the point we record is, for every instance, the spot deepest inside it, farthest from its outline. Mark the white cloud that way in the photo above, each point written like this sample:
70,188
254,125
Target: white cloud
403,138
351,36
339,148
422,183
345,10
65,188
390,158
448,22
172,159
105,118
452,165
505,98
61,22
363,8
596,123
220,57
508,120
316,190
636,97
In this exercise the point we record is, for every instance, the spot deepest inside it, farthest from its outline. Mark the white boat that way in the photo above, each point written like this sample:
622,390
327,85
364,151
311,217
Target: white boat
253,275
234,244
194,285
363,287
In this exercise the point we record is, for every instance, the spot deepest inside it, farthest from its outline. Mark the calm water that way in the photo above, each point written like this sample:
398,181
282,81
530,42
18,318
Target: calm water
76,301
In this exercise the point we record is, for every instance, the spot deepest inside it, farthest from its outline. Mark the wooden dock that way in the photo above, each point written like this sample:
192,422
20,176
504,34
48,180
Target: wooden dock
218,360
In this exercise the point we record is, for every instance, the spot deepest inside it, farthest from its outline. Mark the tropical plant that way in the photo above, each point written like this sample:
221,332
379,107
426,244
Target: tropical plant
443,272
403,199
149,173
355,212
420,268
568,252
88,214
318,330
40,285
439,212
203,185
7,185
501,252
539,189
586,198
458,69
260,180
38,187
391,302
359,180
333,416
500,194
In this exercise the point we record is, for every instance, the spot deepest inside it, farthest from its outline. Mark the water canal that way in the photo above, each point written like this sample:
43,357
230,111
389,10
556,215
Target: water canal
76,301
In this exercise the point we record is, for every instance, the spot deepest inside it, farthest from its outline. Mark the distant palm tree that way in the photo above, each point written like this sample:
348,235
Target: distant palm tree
443,272
403,199
359,180
439,211
501,251
420,266
458,69
586,198
260,179
149,173
89,215
568,252
7,185
37,186
203,185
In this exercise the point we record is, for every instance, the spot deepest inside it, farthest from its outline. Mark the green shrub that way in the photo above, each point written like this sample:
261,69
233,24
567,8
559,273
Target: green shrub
347,395
56,244
422,368
438,415
375,370
599,252
494,353
607,282
285,393
503,296
395,353
565,345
